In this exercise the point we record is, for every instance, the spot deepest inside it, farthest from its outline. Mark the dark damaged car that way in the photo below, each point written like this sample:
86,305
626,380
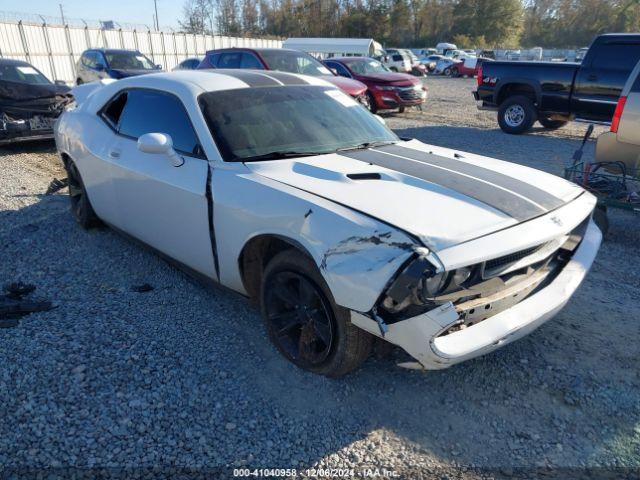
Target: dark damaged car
29,102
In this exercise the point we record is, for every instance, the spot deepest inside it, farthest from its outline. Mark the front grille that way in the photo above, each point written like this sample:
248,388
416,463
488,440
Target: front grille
409,94
502,262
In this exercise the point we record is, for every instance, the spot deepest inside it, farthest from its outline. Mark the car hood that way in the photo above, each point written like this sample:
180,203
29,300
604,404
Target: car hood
351,87
441,196
23,100
131,73
389,77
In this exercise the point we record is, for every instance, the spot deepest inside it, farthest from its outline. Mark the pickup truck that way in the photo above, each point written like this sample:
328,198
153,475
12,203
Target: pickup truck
555,93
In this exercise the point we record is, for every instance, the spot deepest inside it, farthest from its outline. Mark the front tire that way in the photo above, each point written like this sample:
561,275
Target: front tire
517,115
81,208
455,73
552,124
303,321
447,71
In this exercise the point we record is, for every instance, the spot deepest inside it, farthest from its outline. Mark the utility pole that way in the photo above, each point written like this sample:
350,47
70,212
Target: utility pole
155,4
62,14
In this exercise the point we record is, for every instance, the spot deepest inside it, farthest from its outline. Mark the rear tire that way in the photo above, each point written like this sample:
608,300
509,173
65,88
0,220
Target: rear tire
401,110
517,115
552,124
81,208
455,73
303,321
447,71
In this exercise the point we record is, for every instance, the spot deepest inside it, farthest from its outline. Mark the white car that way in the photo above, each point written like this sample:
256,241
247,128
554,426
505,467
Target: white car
444,65
284,189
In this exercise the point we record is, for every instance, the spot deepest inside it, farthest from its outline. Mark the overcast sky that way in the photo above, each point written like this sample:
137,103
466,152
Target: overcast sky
124,11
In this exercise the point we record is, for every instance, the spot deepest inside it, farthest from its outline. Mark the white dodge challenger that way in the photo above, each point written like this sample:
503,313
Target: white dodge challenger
286,190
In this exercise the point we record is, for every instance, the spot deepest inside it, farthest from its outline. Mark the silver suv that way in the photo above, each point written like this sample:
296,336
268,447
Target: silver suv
622,142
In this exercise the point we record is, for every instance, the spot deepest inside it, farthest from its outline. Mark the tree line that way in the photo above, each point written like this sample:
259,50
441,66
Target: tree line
419,23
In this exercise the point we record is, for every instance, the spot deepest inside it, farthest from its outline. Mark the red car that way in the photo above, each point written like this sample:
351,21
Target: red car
468,67
386,90
284,60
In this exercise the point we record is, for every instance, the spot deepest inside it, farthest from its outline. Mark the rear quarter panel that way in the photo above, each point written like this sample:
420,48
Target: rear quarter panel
551,82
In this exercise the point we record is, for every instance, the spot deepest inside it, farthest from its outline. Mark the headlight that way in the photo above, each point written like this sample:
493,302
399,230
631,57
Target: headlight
419,285
433,284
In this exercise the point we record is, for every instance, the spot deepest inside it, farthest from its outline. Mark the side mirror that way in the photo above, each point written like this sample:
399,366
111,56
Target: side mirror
158,66
160,143
60,82
100,67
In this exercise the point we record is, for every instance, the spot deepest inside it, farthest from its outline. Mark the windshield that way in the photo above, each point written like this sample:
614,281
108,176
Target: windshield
294,62
22,74
248,123
129,61
365,67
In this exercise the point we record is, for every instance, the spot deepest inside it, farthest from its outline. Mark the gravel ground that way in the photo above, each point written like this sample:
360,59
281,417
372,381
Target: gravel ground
183,377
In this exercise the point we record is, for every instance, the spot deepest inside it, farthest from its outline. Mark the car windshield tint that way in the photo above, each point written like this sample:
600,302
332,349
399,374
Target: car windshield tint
129,61
294,62
257,122
22,74
364,67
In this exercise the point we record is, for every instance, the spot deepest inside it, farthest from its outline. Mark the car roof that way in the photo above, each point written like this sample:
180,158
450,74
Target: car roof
112,50
348,59
216,79
249,49
17,63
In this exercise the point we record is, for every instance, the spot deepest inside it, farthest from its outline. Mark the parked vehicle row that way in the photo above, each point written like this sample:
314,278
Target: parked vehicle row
278,186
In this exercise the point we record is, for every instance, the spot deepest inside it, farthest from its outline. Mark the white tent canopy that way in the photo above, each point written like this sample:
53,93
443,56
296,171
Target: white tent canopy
335,46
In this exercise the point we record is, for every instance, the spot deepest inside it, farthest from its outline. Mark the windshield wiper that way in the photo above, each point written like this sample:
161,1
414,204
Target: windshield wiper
365,145
279,155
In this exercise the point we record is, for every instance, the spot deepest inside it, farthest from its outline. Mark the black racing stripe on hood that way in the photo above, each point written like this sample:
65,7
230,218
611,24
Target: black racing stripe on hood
502,200
287,78
533,193
252,79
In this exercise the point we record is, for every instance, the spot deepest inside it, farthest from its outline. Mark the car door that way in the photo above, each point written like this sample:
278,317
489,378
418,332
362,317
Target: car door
599,82
164,206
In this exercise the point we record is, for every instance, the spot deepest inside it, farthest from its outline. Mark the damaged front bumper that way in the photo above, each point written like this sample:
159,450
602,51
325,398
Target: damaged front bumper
36,127
421,336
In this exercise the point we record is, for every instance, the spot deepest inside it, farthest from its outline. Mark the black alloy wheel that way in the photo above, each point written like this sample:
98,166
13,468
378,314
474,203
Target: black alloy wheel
80,205
299,319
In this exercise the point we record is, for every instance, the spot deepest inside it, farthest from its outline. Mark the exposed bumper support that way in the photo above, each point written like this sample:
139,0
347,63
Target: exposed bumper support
418,336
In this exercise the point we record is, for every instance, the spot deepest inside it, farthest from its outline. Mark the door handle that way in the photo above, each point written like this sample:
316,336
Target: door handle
114,154
592,78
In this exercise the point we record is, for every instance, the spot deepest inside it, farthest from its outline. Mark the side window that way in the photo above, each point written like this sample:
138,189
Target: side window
99,59
89,59
616,56
342,71
397,58
193,63
229,60
112,111
636,85
249,60
148,111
